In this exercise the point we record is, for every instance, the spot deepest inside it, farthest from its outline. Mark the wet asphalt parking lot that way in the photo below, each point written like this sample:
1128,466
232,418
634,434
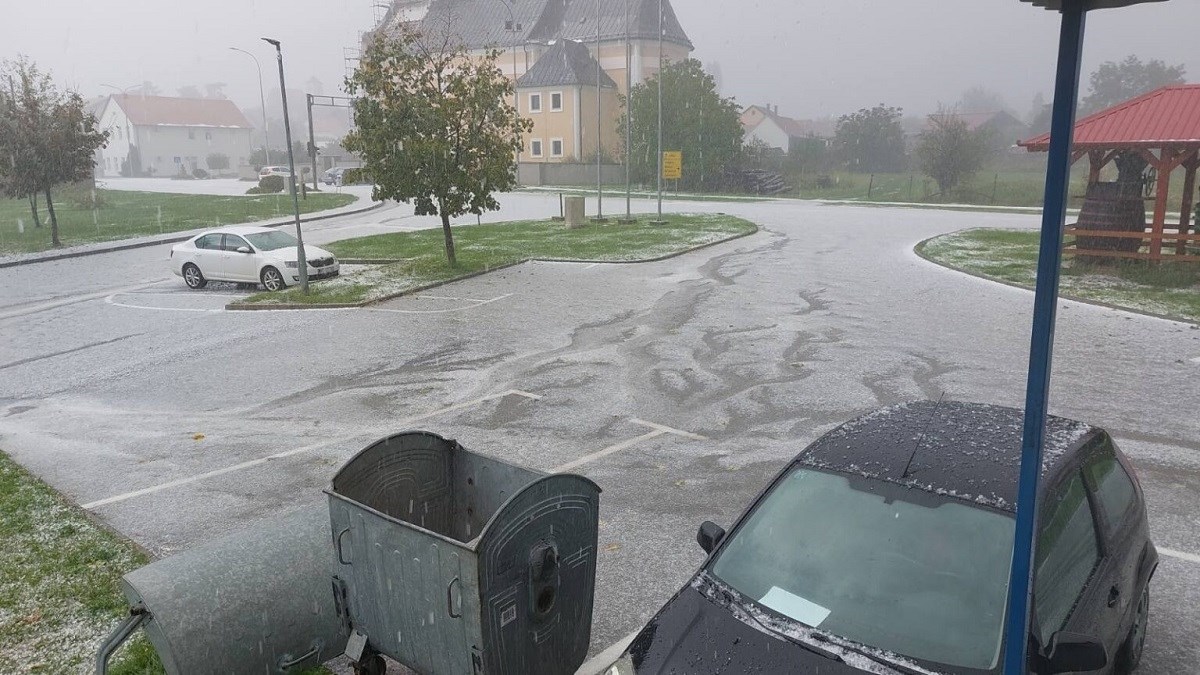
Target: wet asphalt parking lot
679,386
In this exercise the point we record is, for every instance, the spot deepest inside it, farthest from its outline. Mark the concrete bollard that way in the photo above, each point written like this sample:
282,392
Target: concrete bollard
574,211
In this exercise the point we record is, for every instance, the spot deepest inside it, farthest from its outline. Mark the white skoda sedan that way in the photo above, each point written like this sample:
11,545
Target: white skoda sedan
248,255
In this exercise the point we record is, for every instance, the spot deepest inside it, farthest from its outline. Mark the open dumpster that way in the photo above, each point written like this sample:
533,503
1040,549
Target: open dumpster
453,563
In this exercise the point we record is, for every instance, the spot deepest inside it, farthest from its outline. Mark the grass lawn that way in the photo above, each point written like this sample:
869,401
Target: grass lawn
1168,289
58,583
483,247
122,214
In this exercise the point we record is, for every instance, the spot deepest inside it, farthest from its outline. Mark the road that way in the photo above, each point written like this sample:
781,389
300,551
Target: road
156,409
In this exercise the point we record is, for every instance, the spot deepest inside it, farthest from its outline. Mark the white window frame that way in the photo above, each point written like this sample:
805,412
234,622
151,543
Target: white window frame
560,147
535,96
535,143
559,94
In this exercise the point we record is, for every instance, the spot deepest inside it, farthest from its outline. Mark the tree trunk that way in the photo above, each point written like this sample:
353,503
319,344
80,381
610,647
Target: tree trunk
33,207
449,237
53,221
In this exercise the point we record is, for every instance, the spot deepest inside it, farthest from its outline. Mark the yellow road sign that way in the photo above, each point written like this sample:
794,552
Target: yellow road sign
672,165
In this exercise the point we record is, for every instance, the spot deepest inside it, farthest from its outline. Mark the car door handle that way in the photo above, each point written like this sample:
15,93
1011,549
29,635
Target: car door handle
1114,594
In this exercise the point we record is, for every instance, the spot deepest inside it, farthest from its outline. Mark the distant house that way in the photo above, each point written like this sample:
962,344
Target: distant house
334,155
764,123
166,136
559,94
1003,129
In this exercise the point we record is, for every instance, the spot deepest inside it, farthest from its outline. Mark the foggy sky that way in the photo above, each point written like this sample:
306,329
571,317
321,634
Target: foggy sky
809,57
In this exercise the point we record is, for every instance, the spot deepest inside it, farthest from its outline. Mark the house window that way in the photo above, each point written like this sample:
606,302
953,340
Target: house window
179,160
556,101
535,147
556,147
191,134
208,135
535,103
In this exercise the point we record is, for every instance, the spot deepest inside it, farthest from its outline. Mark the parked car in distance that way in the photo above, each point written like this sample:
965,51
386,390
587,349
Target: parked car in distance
333,176
254,255
885,546
273,171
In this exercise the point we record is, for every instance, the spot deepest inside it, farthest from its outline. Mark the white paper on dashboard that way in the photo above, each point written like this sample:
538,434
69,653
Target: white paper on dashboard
794,606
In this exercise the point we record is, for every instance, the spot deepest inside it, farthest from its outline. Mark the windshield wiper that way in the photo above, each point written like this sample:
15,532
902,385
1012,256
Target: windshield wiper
820,651
874,657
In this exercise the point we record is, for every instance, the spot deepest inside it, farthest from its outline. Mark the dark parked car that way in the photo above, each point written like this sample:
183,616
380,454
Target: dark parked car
885,547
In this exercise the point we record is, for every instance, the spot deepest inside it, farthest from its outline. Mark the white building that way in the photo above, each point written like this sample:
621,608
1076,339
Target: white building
166,136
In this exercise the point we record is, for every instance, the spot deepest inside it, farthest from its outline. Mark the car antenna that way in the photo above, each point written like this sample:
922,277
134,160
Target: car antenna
921,437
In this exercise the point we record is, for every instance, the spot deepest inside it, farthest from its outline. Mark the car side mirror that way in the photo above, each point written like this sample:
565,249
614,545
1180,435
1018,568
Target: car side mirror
243,249
1072,652
709,536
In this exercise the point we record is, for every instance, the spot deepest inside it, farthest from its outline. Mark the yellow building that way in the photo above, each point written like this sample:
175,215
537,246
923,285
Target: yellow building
550,48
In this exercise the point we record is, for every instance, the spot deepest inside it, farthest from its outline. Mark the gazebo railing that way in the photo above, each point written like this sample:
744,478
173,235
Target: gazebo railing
1180,236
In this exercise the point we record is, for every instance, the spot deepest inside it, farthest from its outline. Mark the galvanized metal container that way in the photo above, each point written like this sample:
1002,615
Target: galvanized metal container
451,562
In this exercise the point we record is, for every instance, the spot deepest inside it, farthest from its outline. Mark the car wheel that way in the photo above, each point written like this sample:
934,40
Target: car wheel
272,280
1130,655
193,277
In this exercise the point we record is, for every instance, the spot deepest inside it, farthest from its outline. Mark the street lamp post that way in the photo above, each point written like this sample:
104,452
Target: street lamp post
301,259
599,126
660,108
515,28
262,101
628,117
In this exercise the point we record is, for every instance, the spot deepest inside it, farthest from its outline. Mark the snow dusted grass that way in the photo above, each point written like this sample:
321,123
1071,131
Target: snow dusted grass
1168,289
58,583
485,247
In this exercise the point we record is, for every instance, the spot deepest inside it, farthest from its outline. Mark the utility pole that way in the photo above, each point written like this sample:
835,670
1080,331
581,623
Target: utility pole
262,102
628,118
660,108
599,125
301,258
312,140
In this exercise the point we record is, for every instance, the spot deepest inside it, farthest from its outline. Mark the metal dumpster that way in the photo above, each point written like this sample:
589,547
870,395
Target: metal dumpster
454,563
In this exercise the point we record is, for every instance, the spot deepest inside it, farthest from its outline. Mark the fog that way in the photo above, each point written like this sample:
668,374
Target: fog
810,57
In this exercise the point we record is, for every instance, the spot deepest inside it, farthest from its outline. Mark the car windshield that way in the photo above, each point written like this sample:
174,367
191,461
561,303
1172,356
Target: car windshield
269,241
887,566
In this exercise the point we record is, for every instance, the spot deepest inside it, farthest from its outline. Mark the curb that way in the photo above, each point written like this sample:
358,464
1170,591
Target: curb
237,306
919,250
64,255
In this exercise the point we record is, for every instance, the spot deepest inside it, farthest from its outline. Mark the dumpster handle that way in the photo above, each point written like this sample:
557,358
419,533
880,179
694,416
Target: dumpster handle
450,598
137,615
284,665
338,541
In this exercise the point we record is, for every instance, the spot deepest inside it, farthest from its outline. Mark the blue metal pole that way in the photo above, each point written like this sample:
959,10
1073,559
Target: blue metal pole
1058,179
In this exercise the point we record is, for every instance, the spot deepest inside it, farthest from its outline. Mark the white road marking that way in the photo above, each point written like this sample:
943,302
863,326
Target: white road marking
598,663
1190,557
476,303
112,301
74,299
657,430
295,451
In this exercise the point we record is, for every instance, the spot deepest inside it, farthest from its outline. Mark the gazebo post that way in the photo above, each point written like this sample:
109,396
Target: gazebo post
1185,212
1096,160
1163,190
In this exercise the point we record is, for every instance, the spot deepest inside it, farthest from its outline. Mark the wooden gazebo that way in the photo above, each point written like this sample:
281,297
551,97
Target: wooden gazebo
1159,130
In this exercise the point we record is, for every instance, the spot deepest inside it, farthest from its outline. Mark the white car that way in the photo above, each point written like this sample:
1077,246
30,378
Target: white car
248,255
274,171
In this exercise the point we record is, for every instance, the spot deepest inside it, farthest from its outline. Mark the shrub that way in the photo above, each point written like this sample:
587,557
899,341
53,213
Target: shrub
355,177
217,161
199,173
270,184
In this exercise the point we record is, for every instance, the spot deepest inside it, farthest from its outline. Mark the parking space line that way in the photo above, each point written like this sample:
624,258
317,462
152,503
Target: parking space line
476,303
1190,557
295,451
110,300
656,430
75,299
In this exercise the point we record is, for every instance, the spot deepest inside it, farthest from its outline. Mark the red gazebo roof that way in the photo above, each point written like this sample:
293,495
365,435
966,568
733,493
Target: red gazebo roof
1169,116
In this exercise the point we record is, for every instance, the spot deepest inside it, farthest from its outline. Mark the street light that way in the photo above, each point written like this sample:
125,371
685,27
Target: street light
515,28
301,259
262,101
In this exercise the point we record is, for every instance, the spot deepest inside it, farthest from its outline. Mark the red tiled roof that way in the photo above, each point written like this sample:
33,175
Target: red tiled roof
182,112
1166,116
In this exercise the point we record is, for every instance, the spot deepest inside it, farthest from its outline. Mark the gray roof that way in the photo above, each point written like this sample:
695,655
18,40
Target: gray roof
566,63
481,23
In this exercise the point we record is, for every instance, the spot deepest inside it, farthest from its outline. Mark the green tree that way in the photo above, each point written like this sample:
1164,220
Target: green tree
46,136
434,126
949,151
1113,83
697,121
872,140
